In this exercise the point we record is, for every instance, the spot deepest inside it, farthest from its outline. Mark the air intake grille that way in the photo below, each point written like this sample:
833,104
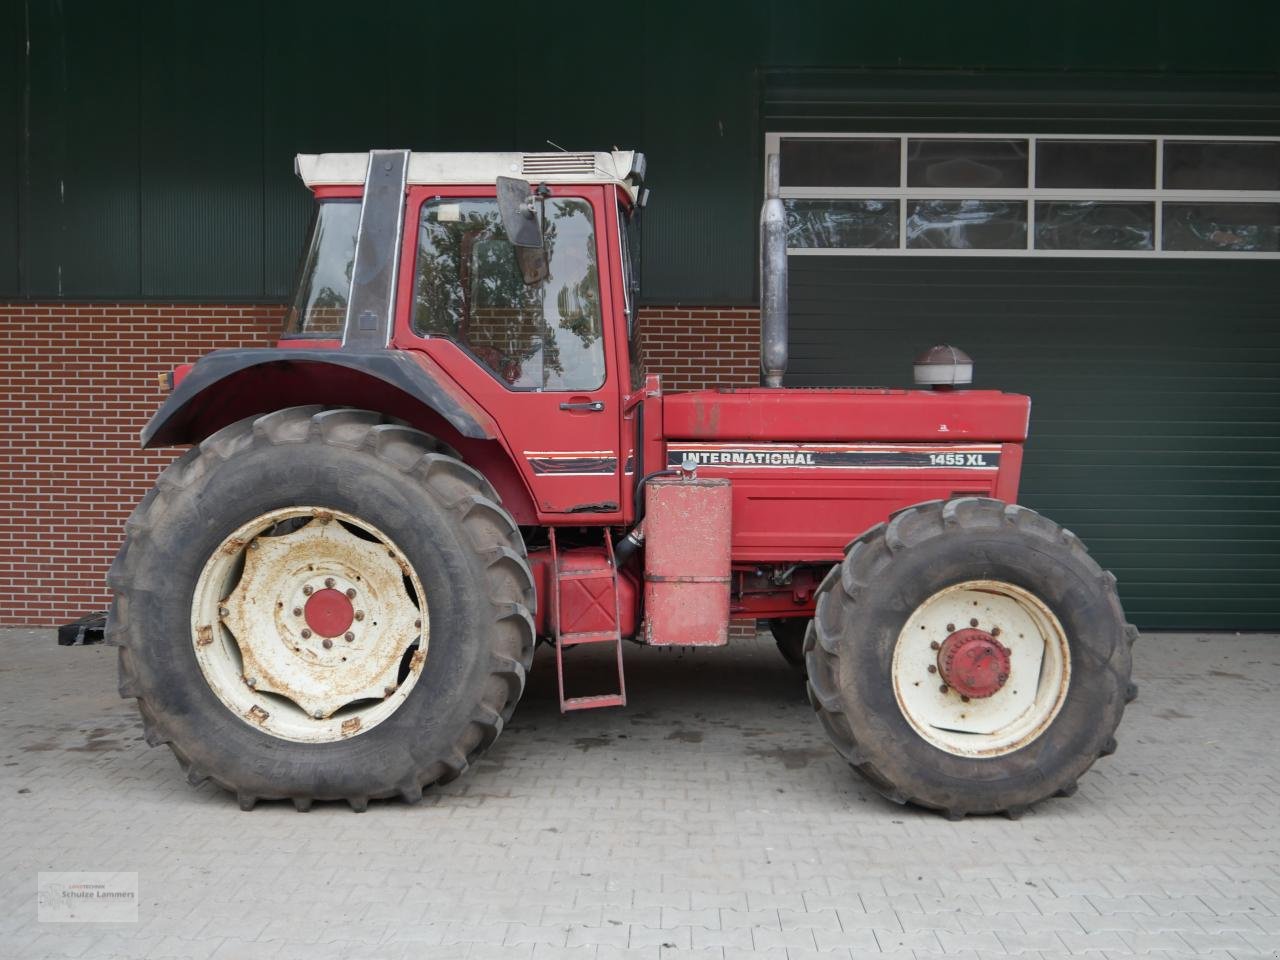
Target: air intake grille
559,164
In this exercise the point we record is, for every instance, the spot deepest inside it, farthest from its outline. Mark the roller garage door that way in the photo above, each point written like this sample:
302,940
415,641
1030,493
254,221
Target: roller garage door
1109,246
1155,385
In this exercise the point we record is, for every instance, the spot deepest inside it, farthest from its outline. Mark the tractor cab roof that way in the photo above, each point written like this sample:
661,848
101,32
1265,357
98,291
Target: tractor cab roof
623,168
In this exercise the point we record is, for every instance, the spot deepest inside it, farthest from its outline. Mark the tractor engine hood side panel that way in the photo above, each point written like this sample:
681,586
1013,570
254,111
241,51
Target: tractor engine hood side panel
863,415
227,385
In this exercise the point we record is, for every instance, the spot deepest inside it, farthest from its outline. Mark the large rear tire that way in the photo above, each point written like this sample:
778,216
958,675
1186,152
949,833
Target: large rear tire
322,605
1042,630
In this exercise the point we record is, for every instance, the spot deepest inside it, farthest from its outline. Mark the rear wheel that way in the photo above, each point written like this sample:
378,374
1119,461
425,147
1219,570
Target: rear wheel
969,656
321,605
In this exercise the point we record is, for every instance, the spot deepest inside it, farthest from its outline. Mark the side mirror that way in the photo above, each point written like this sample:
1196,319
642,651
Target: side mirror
520,219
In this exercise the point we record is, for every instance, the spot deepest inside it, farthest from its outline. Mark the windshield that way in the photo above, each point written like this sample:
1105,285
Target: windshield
542,336
324,283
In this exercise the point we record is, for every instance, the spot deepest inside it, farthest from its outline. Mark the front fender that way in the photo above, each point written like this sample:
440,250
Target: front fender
229,385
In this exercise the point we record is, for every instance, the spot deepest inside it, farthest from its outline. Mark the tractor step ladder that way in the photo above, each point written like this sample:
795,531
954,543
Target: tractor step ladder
597,589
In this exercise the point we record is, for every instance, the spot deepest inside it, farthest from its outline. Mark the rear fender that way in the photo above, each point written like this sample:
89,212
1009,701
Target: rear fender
229,385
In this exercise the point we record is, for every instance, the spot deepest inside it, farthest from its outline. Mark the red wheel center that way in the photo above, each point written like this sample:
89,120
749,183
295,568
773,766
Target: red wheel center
329,613
973,663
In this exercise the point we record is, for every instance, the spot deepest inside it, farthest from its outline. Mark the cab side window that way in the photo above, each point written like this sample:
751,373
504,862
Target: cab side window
468,288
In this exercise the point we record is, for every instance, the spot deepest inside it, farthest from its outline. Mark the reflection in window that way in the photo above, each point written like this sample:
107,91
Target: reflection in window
976,164
1253,227
545,336
320,304
966,224
1094,225
1221,165
842,223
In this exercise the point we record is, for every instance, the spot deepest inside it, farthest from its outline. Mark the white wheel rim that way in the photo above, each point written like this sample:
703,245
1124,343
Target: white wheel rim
1027,702
266,618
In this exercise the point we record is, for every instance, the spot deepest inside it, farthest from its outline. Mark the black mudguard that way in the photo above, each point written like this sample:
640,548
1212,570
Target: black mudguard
228,385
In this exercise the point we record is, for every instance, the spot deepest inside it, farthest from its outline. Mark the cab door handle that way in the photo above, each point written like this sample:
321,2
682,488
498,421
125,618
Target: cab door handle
594,406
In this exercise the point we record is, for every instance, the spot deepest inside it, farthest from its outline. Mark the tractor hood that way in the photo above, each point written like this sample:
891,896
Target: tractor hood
870,415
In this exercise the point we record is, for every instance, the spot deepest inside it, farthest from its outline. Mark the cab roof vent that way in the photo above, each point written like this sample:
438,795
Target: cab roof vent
536,165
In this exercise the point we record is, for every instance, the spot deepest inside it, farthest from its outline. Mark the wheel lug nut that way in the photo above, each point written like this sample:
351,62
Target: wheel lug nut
932,668
973,622
935,645
964,698
306,634
328,582
349,636
943,688
297,611
995,631
251,682
328,644
307,590
351,593
359,614
951,628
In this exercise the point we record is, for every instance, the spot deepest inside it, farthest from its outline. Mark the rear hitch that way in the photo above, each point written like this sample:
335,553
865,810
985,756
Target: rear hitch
89,629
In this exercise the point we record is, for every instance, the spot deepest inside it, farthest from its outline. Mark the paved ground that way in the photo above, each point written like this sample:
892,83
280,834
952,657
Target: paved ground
707,820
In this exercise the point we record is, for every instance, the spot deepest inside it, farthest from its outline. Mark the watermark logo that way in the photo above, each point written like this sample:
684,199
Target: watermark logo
79,897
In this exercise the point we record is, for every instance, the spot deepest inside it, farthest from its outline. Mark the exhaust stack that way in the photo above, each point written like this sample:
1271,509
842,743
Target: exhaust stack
773,278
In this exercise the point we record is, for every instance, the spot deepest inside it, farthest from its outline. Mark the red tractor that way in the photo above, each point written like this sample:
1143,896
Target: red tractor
450,455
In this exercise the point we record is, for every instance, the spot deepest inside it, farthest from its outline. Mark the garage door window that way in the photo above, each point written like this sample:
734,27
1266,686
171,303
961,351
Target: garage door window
1040,195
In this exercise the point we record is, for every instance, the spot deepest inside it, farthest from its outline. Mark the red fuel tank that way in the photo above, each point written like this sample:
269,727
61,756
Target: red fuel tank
687,527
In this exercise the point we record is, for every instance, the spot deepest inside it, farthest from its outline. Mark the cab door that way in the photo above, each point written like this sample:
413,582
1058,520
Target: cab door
538,357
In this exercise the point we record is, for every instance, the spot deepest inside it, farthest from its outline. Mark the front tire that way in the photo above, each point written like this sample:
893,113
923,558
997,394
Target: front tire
1042,630
407,670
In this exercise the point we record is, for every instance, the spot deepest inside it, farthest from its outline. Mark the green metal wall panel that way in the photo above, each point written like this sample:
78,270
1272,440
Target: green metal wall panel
155,152
201,163
12,76
1155,392
79,223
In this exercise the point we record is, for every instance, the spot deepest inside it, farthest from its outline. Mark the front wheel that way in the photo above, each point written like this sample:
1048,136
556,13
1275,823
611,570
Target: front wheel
969,656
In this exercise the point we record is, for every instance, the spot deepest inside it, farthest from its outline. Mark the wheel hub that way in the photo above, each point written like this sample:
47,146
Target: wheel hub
329,613
973,663
307,629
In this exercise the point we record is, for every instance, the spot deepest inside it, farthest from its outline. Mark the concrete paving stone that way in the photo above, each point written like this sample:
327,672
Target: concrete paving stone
1215,942
730,919
1038,941
546,951
175,948
678,937
708,918
1231,922
1118,922
489,951
766,938
739,937
920,940
606,952
1086,942
808,919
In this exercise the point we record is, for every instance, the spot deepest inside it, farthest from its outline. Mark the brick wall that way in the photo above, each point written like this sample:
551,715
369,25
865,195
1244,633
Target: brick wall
77,383
701,347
